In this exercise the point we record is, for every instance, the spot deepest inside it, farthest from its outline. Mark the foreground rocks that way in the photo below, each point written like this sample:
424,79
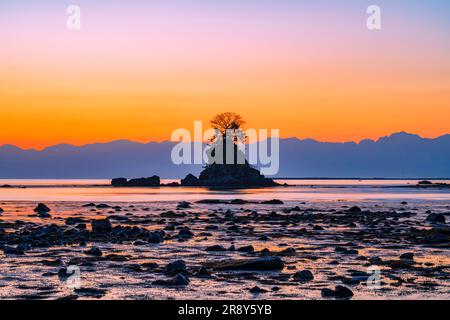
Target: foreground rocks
153,181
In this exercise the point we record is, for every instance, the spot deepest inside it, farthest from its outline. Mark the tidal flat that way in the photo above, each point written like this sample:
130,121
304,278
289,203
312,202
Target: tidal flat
226,249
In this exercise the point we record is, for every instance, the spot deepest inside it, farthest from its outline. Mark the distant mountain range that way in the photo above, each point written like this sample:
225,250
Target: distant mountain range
400,155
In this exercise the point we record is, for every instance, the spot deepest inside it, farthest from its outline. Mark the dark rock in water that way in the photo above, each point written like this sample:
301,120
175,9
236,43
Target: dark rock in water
88,205
91,292
153,181
1,210
339,292
249,248
258,264
404,203
184,205
175,267
185,233
190,181
257,290
156,237
41,208
44,215
216,248
103,225
436,217
203,272
180,280
304,275
103,206
407,256
274,201
12,250
94,251
230,176
355,209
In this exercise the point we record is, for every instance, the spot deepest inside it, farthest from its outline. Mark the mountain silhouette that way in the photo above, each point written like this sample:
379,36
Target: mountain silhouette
400,155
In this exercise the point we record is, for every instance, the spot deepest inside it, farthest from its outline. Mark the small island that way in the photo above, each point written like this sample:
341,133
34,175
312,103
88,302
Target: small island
216,175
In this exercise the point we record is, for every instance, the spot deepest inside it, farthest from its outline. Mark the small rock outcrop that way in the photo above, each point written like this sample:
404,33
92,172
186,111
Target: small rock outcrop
153,181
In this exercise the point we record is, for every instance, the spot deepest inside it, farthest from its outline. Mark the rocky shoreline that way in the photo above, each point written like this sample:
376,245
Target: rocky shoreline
271,248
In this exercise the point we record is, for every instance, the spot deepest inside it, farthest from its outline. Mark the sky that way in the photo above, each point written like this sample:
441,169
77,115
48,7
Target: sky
138,70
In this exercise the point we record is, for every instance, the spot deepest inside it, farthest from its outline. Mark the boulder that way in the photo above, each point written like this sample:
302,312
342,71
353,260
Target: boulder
273,201
175,267
102,225
304,275
94,251
42,208
190,181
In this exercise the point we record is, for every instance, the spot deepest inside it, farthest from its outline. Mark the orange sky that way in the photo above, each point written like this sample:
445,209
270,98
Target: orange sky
132,82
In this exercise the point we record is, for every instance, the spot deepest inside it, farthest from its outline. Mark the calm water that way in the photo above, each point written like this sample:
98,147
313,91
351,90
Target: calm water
320,190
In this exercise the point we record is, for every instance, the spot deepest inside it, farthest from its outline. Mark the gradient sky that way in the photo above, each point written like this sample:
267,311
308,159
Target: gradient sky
140,69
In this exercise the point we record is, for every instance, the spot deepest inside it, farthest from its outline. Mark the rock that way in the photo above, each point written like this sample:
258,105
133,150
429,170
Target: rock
304,275
190,181
407,256
12,250
436,218
184,205
156,237
354,209
175,267
1,210
246,249
94,251
72,221
103,206
258,264
185,233
88,205
404,203
180,280
343,292
257,290
233,176
42,208
216,248
339,292
153,181
103,225
274,201
91,292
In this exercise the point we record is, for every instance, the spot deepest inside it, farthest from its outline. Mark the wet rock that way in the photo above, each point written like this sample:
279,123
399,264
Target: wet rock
249,248
91,292
216,248
339,292
94,251
1,210
103,206
185,233
375,260
156,237
257,290
288,252
203,272
304,275
42,208
258,264
180,280
436,218
274,201
184,205
175,267
354,209
102,225
407,256
88,205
